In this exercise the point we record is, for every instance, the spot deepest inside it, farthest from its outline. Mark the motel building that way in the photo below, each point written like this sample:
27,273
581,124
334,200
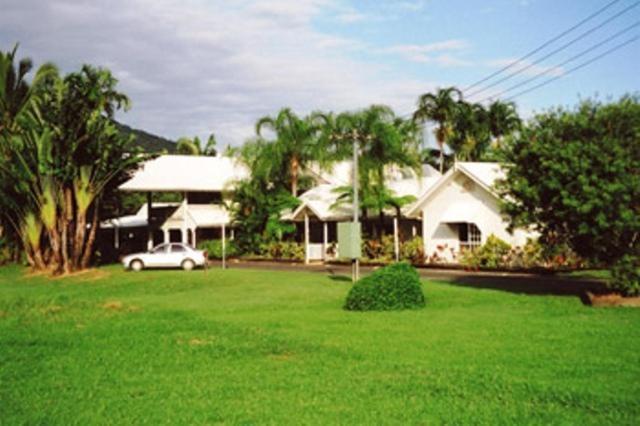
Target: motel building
451,212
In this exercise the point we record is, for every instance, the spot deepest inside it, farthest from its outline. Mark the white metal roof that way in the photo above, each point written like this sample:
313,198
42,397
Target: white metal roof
179,173
322,199
198,215
486,174
135,220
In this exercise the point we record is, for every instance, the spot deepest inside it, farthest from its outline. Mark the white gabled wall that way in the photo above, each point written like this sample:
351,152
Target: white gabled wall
479,204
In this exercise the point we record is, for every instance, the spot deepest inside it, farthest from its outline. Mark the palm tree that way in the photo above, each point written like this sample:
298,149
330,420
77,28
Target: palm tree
439,108
471,136
295,145
503,119
384,140
188,146
58,160
16,93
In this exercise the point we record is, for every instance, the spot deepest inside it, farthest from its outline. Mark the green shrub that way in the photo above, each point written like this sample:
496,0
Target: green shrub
530,255
494,253
289,250
393,287
380,250
413,251
214,248
625,276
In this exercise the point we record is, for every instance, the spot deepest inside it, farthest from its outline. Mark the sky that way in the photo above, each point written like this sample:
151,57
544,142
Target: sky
193,67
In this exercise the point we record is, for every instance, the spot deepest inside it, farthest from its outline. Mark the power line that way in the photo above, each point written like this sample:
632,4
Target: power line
573,58
542,46
553,52
576,68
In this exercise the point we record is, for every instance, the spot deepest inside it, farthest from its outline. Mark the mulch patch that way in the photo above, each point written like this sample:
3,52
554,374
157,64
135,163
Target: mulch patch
612,299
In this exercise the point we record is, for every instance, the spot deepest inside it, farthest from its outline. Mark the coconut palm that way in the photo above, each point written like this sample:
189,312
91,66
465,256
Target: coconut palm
384,140
439,107
189,146
471,136
296,144
16,93
503,119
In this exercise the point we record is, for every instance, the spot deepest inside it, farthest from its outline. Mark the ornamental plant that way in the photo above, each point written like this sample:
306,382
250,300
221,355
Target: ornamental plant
394,287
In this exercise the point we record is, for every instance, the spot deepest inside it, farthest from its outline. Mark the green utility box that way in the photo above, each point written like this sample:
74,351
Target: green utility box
349,236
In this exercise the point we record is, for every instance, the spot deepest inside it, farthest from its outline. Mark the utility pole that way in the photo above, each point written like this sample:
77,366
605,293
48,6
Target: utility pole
355,263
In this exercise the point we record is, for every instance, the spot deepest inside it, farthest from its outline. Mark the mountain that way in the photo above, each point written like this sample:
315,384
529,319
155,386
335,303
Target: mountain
148,142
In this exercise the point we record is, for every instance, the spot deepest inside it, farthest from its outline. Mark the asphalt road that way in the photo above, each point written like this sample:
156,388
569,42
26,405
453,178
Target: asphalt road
521,283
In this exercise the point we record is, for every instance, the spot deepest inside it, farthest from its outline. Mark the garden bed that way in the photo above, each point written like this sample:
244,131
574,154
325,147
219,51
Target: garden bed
612,300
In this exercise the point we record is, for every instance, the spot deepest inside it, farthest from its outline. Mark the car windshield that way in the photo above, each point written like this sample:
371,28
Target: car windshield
162,248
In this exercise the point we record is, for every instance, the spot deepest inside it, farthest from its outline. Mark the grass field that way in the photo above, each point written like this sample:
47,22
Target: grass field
252,347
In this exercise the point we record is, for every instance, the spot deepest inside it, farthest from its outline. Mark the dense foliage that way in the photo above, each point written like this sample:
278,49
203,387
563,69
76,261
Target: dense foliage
393,287
383,140
214,248
194,146
471,131
498,254
574,175
61,159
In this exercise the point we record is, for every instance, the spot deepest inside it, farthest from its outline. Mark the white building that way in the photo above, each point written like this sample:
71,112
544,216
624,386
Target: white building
461,210
204,182
453,211
320,209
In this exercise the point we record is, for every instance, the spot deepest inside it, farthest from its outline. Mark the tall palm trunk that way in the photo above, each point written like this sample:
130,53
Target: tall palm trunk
67,212
440,141
295,167
78,241
88,248
54,239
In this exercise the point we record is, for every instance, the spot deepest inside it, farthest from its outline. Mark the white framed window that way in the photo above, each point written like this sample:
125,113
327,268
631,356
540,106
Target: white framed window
469,236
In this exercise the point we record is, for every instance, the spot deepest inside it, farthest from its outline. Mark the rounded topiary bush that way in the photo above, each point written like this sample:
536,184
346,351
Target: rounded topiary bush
393,287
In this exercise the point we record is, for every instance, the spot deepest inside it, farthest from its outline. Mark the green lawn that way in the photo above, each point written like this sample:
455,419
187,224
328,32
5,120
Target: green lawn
275,347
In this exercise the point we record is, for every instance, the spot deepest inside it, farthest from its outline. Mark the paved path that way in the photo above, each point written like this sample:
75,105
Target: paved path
522,283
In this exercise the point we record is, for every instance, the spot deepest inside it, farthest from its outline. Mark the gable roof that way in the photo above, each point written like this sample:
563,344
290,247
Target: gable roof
321,200
180,173
484,174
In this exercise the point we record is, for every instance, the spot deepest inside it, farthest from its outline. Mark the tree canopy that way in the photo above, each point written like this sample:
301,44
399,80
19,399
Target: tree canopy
574,175
60,157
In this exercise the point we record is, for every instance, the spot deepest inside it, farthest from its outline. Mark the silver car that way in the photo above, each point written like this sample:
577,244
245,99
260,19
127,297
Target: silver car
167,255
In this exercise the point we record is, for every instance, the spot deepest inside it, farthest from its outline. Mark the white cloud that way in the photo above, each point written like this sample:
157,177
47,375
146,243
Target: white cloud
412,6
193,67
426,53
351,17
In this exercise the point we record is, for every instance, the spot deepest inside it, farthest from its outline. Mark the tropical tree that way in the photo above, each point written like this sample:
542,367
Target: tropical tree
440,108
259,201
60,159
573,175
383,141
470,137
194,146
503,119
16,96
296,145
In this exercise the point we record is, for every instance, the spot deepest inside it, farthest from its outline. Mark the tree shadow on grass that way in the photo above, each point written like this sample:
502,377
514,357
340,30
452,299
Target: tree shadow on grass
532,285
340,278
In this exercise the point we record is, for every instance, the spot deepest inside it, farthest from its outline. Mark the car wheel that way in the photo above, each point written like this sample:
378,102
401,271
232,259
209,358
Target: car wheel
188,265
136,265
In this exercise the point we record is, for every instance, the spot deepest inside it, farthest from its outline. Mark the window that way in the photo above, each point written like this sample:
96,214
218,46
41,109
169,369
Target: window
162,248
469,236
177,248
